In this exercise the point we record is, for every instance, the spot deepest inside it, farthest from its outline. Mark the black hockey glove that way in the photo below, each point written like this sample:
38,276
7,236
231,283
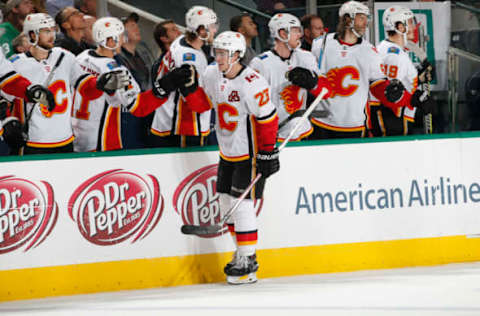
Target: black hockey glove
267,162
394,91
111,81
13,133
190,80
421,100
302,77
39,94
4,105
183,78
425,72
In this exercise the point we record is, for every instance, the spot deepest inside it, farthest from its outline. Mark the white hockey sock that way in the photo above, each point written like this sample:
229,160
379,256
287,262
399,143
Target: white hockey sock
246,228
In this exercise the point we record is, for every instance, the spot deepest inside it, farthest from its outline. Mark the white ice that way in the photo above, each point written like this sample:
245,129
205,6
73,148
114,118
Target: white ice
442,290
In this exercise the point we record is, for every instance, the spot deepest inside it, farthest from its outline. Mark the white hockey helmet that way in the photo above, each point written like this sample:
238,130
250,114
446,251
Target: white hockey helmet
105,28
283,21
232,42
395,14
199,16
35,22
352,8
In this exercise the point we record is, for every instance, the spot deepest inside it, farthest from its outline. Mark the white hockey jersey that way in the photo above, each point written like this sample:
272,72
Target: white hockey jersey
396,64
288,98
51,129
350,69
174,117
96,123
240,103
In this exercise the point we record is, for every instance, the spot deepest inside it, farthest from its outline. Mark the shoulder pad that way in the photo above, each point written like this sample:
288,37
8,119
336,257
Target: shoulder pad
188,57
393,50
263,56
14,58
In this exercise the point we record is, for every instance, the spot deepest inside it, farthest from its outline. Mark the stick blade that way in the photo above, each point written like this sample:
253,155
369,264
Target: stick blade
200,230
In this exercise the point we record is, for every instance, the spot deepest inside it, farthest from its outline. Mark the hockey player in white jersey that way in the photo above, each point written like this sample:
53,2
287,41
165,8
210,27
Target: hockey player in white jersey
382,120
352,67
180,123
50,130
289,93
96,123
246,126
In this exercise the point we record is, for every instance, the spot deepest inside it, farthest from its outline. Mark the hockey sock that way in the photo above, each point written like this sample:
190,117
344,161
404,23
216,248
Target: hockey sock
246,228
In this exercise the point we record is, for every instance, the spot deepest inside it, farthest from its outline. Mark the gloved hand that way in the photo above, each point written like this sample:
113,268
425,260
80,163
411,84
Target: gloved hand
13,133
425,72
39,94
111,81
394,91
302,77
421,99
267,162
177,78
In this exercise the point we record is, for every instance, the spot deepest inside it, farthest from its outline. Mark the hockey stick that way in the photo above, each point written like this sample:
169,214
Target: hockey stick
422,56
213,229
299,113
45,83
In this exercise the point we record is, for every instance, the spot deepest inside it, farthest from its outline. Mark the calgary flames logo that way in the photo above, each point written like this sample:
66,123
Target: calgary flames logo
336,78
291,98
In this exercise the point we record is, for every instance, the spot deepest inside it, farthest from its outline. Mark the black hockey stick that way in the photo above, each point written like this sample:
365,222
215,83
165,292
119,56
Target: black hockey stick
299,113
213,229
45,84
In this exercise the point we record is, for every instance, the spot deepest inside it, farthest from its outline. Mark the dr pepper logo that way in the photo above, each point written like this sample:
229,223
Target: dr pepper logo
196,199
28,213
116,205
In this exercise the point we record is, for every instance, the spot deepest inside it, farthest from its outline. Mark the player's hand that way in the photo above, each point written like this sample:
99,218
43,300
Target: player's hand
425,72
39,94
184,78
13,133
394,91
302,77
267,162
421,99
111,81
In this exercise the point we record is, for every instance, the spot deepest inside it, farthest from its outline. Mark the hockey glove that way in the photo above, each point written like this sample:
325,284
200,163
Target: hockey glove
113,80
302,77
267,162
394,91
39,94
4,105
190,80
421,100
13,133
425,72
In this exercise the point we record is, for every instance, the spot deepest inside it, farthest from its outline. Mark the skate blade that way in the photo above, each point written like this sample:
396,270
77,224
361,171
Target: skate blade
244,279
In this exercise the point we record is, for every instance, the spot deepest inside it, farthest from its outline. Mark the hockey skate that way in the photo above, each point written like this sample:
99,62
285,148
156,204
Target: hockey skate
242,270
232,262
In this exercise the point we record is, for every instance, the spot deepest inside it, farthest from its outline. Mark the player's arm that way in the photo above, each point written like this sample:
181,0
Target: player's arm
195,97
266,125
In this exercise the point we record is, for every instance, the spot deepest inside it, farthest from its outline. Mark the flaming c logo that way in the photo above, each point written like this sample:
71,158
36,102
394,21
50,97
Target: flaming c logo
336,78
291,98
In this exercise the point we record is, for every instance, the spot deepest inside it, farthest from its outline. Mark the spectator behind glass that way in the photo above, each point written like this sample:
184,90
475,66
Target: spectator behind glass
73,27
21,44
244,25
88,7
14,14
39,6
89,20
54,6
312,28
136,56
164,34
